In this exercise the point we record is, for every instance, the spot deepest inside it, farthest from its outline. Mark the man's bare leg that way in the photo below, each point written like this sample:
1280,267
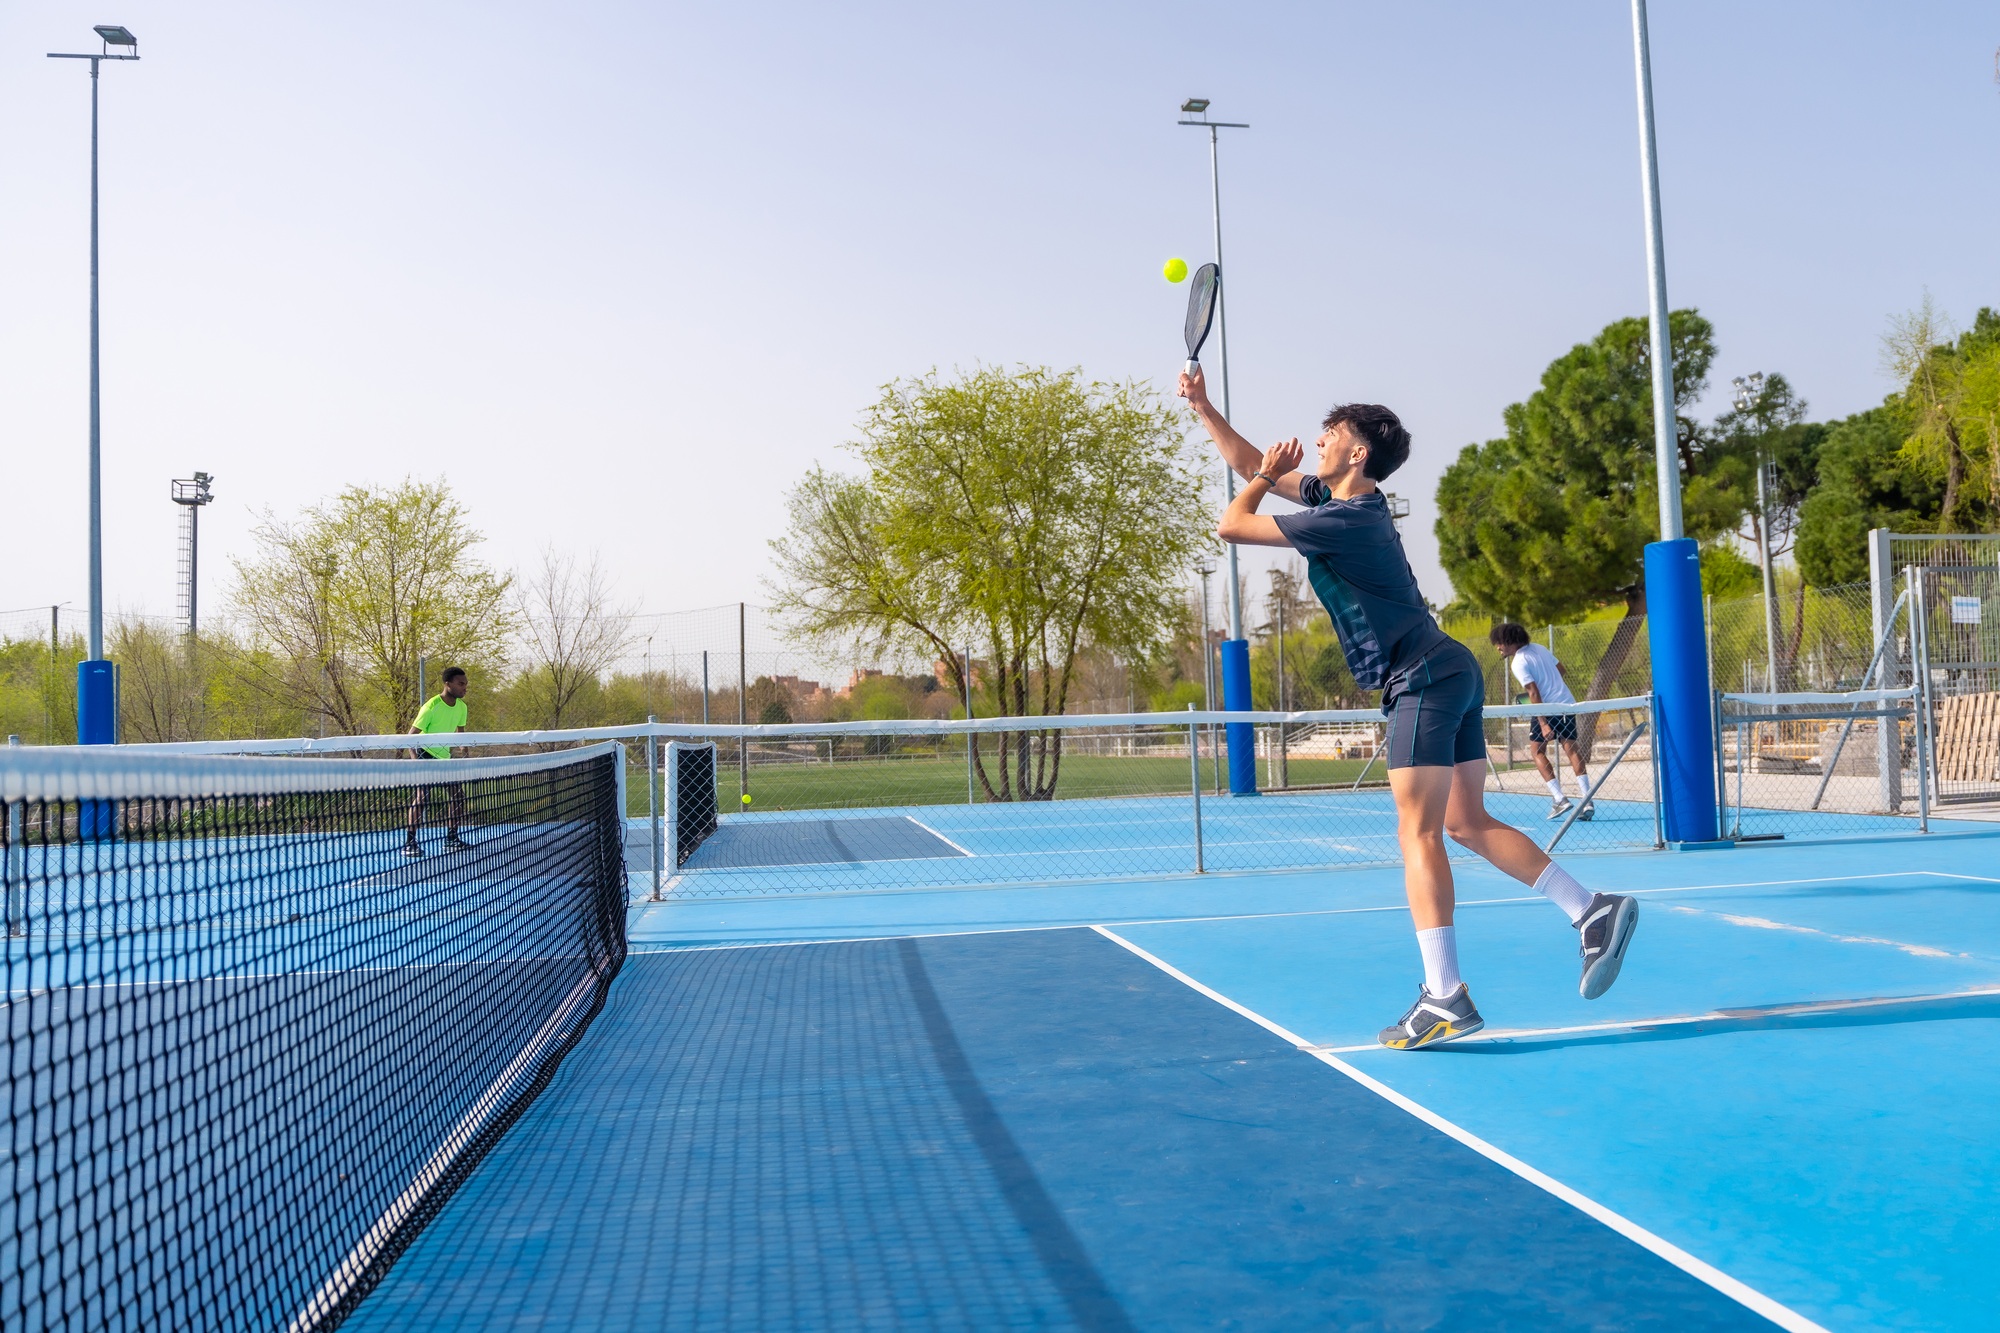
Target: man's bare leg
1605,920
416,817
1579,768
1443,1011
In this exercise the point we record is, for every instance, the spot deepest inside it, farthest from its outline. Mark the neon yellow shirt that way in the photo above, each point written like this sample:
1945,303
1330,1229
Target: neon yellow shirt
437,716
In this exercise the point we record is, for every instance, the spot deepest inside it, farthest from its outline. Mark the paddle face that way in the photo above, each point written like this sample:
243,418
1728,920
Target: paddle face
1202,292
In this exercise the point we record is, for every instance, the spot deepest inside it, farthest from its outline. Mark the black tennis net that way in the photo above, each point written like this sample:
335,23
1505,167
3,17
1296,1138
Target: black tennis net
252,1045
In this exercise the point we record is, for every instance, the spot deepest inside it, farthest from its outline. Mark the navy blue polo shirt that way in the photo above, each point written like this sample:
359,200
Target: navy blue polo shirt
1354,558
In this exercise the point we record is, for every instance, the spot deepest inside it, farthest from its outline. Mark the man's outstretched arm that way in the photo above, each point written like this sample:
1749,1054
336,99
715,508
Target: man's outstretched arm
1241,456
1241,523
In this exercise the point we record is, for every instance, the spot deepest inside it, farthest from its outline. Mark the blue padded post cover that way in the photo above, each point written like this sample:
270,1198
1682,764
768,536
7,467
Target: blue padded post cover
1686,736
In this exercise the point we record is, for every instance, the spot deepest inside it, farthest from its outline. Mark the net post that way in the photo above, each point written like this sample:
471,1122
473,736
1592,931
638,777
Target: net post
1920,701
1882,592
17,864
673,805
653,798
1194,770
623,759
1653,750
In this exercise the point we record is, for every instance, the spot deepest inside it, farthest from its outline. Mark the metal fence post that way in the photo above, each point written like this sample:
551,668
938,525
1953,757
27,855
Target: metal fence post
1653,745
653,799
1194,769
971,762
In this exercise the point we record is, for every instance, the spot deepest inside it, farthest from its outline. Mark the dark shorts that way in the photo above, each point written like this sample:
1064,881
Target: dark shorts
1560,728
1437,711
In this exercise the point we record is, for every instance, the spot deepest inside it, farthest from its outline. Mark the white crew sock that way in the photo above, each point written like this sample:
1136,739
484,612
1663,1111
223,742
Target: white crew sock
1582,784
1555,790
1440,949
1560,887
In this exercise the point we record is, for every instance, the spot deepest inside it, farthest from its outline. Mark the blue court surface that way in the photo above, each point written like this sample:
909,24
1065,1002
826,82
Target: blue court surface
1156,1103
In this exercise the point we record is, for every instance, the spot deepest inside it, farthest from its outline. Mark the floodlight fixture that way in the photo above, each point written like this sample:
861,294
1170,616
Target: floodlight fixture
115,34
1194,106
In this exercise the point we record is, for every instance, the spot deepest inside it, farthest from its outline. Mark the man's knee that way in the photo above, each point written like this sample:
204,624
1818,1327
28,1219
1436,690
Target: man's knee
1468,832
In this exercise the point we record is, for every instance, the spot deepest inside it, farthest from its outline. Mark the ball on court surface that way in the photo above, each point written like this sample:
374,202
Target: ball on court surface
1176,270
746,798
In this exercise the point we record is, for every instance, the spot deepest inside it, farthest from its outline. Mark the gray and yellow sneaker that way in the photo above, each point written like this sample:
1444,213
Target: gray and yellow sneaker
1559,807
1606,929
1432,1020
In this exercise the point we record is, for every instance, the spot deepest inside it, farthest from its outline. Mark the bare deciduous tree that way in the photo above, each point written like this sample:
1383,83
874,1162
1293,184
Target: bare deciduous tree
571,633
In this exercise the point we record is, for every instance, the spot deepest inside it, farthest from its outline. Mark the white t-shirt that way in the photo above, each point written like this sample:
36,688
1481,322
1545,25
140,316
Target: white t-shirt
1536,665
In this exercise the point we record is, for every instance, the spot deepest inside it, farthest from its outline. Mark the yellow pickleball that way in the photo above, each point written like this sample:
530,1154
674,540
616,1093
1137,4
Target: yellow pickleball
1176,270
746,798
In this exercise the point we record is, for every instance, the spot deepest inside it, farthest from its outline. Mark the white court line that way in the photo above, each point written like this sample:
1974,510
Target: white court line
1804,1009
963,851
1673,1254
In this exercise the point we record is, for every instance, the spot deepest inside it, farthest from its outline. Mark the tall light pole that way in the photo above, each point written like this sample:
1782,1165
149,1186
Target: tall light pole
1684,729
1749,396
1198,106
95,714
1236,650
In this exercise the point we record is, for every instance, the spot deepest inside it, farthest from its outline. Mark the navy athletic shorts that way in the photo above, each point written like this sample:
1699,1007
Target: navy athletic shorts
1436,711
1562,727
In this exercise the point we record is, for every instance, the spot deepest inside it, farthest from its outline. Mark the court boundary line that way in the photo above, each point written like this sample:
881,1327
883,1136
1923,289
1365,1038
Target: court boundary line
1178,877
1802,1009
1740,1292
958,847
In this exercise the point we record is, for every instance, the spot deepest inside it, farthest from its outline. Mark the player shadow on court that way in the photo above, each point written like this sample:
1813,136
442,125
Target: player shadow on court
1730,1022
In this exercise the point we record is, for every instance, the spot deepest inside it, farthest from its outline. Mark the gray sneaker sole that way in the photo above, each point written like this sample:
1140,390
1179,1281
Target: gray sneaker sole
1597,977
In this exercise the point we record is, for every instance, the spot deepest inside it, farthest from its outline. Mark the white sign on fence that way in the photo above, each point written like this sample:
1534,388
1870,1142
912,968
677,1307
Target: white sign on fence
1965,610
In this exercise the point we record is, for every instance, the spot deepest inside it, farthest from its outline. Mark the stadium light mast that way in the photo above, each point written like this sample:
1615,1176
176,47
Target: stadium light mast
190,493
95,704
1684,734
1236,651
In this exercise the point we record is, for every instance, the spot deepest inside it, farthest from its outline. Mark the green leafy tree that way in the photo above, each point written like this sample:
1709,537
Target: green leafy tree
347,597
1030,514
1951,398
1866,480
1552,519
1772,430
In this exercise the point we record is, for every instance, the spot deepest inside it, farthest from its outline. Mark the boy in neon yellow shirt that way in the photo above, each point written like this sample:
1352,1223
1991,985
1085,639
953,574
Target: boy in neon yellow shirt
442,714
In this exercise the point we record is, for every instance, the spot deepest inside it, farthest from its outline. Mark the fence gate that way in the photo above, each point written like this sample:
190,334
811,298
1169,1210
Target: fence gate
1959,653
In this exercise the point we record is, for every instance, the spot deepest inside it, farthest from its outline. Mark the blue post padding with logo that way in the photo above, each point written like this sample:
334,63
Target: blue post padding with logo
1686,737
96,724
1242,736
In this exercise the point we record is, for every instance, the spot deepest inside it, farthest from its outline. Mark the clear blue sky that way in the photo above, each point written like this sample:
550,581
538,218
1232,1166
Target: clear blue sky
619,272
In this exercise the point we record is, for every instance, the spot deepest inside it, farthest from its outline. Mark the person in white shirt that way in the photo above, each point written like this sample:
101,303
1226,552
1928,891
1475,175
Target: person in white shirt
1536,668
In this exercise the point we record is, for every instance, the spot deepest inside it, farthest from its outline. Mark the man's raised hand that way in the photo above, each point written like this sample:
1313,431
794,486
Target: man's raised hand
1193,387
1281,458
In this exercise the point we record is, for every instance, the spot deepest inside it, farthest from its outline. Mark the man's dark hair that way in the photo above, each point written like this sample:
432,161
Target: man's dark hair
1507,634
451,674
1378,428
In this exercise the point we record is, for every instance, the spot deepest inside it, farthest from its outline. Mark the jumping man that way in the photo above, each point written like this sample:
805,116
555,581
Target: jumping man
1433,693
442,714
1539,672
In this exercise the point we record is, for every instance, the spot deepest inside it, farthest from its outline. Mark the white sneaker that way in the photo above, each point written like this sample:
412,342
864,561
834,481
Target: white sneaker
1559,807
